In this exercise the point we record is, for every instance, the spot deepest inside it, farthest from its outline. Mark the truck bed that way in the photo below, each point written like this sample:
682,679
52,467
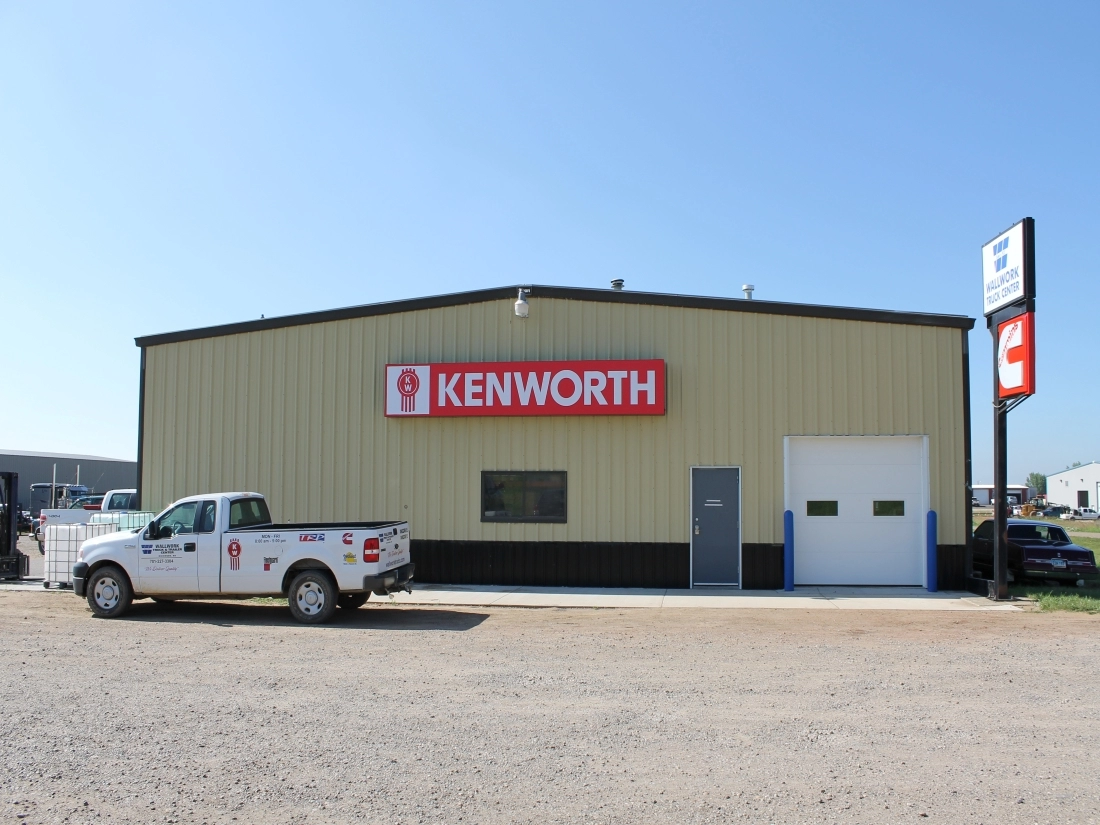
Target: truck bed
318,525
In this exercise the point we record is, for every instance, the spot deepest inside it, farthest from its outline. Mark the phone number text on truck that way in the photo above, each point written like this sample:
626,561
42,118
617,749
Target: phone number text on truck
224,545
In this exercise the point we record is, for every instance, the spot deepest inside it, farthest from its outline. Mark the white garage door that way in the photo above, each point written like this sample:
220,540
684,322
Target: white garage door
860,506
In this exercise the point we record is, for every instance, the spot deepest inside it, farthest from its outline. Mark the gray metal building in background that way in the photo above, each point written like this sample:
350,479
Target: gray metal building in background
97,473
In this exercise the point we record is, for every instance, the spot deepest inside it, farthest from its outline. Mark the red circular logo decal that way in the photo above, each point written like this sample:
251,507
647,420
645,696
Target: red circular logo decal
234,548
408,383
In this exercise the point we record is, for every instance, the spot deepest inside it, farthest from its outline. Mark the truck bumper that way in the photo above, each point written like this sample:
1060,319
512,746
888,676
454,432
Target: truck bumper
396,579
80,575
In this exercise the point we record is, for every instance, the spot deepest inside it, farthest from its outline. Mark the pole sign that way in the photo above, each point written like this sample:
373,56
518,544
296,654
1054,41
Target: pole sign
1016,356
1008,281
523,388
1008,267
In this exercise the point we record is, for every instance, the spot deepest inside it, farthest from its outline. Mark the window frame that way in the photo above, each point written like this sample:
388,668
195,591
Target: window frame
876,502
199,516
836,508
183,504
563,519
242,500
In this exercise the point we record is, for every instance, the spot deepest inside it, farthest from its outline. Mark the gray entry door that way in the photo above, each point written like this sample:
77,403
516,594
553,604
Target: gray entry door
715,526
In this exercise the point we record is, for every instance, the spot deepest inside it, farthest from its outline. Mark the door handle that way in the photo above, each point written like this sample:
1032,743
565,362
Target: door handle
189,547
696,529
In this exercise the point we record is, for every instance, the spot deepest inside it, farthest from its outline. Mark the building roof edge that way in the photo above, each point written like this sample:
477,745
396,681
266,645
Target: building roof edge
884,316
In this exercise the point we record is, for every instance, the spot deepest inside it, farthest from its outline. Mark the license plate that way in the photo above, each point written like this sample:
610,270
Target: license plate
1058,564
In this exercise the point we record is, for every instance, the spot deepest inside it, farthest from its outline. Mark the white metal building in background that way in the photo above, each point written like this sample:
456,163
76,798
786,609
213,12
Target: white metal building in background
1017,494
1075,487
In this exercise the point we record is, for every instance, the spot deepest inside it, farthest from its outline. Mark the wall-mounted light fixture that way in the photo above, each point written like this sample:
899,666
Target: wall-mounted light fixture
523,308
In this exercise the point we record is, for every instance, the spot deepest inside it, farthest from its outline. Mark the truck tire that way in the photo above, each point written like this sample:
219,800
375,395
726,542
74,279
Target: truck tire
352,601
312,597
109,592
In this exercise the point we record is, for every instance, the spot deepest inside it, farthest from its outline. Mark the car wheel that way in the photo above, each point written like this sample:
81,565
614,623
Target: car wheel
42,547
352,601
109,592
312,597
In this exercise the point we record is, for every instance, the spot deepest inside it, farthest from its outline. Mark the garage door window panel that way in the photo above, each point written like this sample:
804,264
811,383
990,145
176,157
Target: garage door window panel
822,508
889,508
514,496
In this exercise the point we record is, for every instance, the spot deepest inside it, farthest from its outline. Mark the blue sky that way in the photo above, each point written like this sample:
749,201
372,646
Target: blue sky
174,165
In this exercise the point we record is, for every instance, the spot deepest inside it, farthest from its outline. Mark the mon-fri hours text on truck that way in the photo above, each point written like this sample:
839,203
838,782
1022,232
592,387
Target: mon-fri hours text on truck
224,545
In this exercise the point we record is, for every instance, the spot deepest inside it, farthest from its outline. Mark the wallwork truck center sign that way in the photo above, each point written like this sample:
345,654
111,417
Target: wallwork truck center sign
1008,267
527,388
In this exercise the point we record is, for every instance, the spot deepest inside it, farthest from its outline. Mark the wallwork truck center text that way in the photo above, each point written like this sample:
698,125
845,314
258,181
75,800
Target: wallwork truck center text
609,438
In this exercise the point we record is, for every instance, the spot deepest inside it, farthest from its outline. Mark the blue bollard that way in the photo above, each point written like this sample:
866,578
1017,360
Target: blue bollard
788,550
933,566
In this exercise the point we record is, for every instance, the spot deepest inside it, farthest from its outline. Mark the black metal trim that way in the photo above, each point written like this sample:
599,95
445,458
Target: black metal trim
141,428
607,296
968,456
552,563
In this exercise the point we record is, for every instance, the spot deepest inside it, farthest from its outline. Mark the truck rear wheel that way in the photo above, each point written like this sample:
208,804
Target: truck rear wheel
312,597
352,601
109,592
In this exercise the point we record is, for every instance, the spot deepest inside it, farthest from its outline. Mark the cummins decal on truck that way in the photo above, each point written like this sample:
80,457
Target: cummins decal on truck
224,545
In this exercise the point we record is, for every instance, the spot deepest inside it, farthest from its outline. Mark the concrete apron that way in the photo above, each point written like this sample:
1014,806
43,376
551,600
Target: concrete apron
803,598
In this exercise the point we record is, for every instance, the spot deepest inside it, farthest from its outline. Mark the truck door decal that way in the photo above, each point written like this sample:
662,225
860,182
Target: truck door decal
234,554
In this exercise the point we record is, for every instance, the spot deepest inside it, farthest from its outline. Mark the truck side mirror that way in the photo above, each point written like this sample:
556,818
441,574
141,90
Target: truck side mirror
151,530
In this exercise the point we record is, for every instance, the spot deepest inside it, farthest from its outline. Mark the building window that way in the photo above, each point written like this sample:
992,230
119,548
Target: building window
822,508
1082,498
523,496
889,508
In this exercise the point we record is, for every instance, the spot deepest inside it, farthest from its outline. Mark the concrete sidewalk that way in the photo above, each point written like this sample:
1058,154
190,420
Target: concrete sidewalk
804,598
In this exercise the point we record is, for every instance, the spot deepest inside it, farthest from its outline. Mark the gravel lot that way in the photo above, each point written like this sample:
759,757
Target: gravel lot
229,712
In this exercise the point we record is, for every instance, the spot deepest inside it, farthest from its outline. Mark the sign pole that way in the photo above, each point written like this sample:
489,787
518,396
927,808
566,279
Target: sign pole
999,586
1008,272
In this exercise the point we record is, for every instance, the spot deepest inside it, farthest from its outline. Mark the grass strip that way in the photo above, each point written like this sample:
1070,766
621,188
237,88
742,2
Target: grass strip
1077,599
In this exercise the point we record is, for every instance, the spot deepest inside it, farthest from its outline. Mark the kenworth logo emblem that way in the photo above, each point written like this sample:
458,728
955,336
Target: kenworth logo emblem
407,384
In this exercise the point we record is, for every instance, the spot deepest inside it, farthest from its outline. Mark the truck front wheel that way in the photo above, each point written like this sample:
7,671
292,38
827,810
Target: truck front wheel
109,592
312,597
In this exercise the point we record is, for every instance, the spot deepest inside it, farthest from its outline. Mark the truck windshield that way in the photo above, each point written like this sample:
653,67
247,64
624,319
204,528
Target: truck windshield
248,512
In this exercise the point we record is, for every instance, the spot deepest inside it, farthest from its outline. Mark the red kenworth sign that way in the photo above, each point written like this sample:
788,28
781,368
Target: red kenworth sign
527,388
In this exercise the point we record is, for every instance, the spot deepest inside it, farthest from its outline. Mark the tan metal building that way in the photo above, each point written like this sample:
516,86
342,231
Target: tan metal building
855,420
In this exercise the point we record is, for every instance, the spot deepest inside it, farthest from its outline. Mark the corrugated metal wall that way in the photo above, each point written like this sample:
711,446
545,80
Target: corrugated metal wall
297,413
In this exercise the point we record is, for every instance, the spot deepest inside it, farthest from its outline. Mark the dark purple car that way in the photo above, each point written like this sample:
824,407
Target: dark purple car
1036,550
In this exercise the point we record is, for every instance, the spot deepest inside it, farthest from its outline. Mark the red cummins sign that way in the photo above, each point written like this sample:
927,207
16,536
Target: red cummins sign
527,388
1016,356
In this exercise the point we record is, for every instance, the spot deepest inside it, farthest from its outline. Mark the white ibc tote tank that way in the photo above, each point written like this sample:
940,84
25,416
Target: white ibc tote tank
63,542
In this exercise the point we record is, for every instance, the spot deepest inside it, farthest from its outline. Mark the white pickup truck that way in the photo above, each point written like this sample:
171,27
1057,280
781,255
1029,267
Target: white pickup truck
1086,513
224,545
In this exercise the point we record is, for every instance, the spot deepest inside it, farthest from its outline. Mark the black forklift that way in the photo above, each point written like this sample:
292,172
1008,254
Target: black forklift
13,564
